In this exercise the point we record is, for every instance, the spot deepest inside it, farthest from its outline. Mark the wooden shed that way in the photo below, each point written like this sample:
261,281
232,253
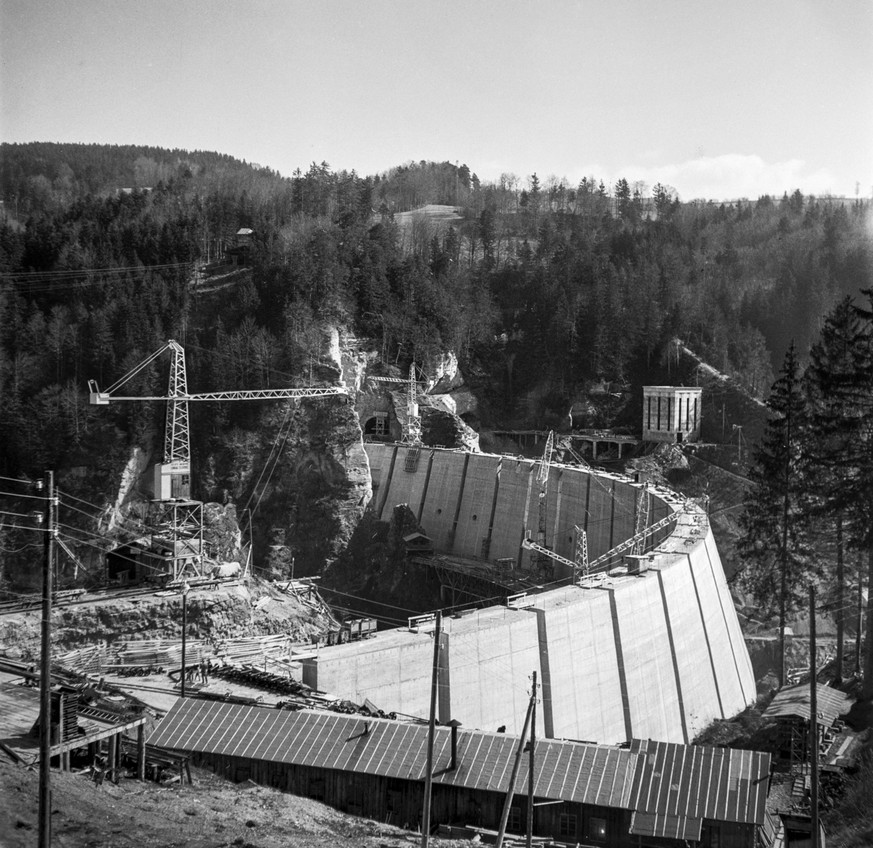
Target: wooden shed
790,708
652,793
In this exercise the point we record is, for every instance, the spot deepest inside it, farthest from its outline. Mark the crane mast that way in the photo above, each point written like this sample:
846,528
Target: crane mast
541,561
411,432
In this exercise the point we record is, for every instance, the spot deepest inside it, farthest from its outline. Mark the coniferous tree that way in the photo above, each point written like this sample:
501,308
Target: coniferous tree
836,361
774,544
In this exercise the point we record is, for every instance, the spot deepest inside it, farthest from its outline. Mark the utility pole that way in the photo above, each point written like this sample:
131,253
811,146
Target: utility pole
184,632
813,722
431,729
507,804
45,670
530,771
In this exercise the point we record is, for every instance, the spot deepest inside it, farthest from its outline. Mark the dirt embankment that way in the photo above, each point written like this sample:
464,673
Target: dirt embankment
219,613
212,813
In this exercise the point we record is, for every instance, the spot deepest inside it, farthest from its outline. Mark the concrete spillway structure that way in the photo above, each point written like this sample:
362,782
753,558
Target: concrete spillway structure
652,655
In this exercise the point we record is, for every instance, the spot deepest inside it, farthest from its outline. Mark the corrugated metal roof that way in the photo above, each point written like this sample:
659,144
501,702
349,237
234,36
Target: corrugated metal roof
665,826
693,781
793,702
568,771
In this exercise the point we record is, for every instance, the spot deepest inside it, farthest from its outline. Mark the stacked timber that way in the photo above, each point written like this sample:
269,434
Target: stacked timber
90,660
151,653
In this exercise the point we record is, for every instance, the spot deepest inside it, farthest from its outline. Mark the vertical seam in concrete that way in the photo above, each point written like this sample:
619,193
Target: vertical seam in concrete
673,657
587,502
460,499
426,484
526,514
706,636
558,501
619,658
726,625
494,504
545,674
388,481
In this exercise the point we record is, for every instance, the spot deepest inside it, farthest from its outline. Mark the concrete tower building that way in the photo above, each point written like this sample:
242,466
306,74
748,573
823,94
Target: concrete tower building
672,413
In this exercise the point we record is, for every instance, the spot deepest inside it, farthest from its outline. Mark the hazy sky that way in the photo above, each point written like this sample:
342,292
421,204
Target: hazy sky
718,99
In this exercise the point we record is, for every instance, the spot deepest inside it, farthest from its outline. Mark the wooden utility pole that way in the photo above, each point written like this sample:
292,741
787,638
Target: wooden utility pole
45,669
507,804
530,771
184,634
813,722
431,729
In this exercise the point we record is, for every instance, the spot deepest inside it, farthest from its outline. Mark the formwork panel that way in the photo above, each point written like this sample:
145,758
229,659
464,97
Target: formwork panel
441,502
653,699
715,622
572,488
740,652
625,512
379,458
405,487
515,479
700,698
393,671
599,523
586,700
492,657
476,506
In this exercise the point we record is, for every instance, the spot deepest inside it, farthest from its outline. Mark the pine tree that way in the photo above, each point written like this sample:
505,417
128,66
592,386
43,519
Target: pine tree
857,494
836,361
774,546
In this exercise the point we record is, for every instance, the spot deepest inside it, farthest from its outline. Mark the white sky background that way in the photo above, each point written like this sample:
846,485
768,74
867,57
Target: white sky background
718,99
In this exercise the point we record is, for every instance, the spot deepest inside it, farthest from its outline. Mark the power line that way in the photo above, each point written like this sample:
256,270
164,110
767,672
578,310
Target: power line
21,495
81,500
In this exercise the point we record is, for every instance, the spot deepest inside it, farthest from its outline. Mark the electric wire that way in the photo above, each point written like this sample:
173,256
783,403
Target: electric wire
67,494
16,514
76,509
22,495
368,601
17,480
271,459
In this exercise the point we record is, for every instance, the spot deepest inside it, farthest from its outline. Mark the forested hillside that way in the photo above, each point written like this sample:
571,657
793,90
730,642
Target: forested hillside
541,288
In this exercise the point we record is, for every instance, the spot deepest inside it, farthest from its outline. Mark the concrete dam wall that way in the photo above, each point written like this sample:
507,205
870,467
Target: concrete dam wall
652,655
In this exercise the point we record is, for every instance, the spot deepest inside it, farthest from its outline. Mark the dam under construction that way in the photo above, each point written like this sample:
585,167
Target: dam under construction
653,650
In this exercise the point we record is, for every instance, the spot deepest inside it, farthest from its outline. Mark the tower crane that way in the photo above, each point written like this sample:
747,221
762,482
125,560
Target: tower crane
412,428
172,476
542,562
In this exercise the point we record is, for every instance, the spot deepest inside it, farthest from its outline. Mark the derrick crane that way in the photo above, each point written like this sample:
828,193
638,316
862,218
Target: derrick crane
602,562
412,428
578,565
542,562
183,517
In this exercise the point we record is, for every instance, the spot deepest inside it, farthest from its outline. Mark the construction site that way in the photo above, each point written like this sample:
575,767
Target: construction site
585,609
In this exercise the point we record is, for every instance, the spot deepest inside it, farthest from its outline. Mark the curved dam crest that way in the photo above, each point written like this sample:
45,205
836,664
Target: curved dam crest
655,655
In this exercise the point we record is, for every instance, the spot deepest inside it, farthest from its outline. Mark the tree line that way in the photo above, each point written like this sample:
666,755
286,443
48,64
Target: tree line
813,479
540,287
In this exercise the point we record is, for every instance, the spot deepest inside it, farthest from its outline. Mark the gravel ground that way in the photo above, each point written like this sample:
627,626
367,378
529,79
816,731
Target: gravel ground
212,813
